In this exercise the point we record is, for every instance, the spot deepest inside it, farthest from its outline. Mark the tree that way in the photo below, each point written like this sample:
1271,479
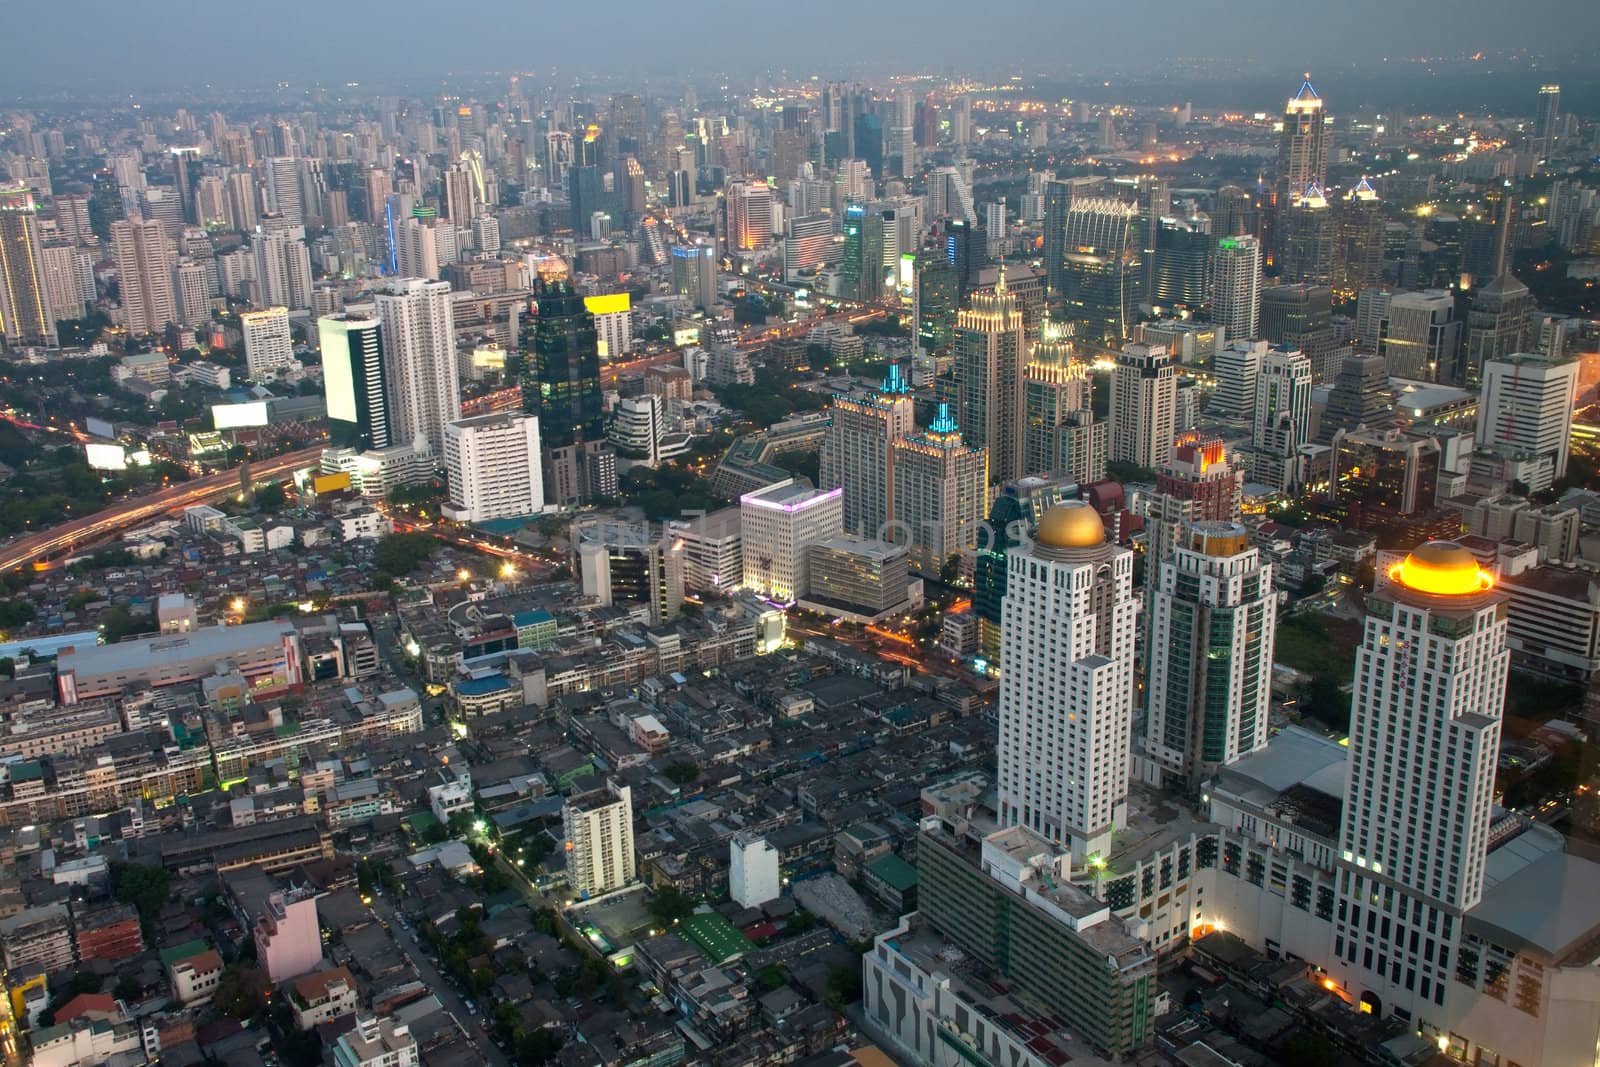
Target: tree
145,888
681,772
400,554
127,989
1309,1048
271,497
844,987
950,569
669,905
800,922
15,613
537,1046
242,992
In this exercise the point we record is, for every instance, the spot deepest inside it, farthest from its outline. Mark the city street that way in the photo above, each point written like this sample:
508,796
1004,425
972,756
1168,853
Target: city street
453,1002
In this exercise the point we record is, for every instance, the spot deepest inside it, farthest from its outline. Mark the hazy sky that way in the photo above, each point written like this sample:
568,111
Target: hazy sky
164,43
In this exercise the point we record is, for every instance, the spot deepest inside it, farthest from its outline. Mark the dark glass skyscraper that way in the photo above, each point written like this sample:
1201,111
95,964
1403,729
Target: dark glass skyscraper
558,366
353,379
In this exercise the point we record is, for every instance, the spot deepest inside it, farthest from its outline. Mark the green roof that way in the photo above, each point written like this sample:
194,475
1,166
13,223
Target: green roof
176,953
715,936
894,872
26,771
422,822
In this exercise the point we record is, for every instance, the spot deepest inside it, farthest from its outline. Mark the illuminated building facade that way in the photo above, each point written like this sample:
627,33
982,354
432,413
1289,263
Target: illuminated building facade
941,486
1061,434
353,381
989,353
779,525
857,452
559,366
1102,274
1144,389
25,318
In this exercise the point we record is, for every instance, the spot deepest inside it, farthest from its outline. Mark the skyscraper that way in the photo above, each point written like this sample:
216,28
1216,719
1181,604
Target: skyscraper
1234,369
1307,228
268,347
1547,123
353,381
560,366
1061,434
779,524
282,182
857,453
694,274
599,840
1499,324
1282,413
1425,713
1301,316
1236,287
25,318
1143,397
1200,483
989,353
1213,611
1066,682
1526,406
144,274
1303,148
1358,239
282,269
863,271
492,466
418,324
1101,273
747,213
1420,335
935,297
1180,261
1360,396
941,486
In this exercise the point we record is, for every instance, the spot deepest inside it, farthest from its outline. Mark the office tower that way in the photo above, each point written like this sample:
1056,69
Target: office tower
1234,213
418,324
268,347
460,199
1235,369
863,274
1301,316
989,352
282,269
1179,262
1066,682
68,280
1101,273
598,829
585,194
625,562
1303,149
379,185
72,217
353,382
779,524
1547,123
1062,435
694,274
25,319
282,182
192,290
868,145
558,366
994,227
1143,396
941,487
747,215
492,467
211,203
613,323
963,248
857,453
1306,227
244,201
950,196
1360,396
935,299
1236,287
1526,407
1282,419
1426,706
1499,324
160,202
144,275
1213,611
1358,240
807,241
1200,483
1419,334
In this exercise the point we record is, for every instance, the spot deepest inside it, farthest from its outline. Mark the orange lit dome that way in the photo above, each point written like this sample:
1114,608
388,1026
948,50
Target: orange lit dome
1073,524
1442,568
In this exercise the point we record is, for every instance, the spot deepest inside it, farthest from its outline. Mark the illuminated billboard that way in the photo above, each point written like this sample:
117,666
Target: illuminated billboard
330,483
608,304
105,456
239,416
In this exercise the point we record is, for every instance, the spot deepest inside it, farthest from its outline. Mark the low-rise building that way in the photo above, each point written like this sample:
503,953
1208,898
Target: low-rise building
323,996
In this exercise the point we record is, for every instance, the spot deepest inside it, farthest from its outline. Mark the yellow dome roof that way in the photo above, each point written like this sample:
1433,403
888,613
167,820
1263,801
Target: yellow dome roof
1071,525
1442,568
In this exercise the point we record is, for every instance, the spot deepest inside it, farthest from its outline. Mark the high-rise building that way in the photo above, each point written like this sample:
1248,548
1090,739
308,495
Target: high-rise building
418,323
282,183
492,467
1301,316
1419,334
1199,484
935,298
353,381
1360,396
753,870
1066,683
1303,148
747,213
1061,434
1425,713
857,453
1102,274
1547,123
1359,236
1282,412
1234,369
244,201
1306,228
613,323
268,347
598,829
807,241
1526,407
144,258
941,488
631,562
862,276
989,353
25,318
1499,324
1213,612
694,274
1143,398
558,365
460,199
779,524
1011,521
192,289
282,265
68,280
1236,287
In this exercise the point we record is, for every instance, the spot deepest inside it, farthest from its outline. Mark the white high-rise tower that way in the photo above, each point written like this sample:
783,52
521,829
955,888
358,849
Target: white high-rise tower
1066,682
419,359
1236,287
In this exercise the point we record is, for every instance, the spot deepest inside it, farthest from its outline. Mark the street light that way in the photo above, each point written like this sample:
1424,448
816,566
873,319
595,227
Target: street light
508,569
463,574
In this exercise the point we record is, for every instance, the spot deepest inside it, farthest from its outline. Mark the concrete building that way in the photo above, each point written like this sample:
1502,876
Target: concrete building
990,349
376,1042
1143,406
1213,611
1061,434
418,330
288,939
858,449
144,259
492,466
1067,643
1526,407
943,492
353,381
713,555
268,348
266,654
753,877
627,563
778,526
26,318
1235,370
598,831
39,937
859,580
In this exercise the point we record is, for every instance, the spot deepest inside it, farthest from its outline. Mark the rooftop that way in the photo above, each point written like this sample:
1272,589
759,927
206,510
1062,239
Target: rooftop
213,642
